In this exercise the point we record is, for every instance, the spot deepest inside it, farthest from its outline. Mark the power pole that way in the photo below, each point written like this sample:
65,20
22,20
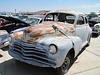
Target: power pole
15,11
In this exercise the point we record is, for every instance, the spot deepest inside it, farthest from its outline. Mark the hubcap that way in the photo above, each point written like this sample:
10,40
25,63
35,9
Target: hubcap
65,65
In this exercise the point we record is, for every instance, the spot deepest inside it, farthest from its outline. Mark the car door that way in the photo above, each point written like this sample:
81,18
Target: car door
81,28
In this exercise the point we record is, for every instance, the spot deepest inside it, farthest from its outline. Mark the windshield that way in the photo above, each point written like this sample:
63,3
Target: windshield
96,19
31,21
60,17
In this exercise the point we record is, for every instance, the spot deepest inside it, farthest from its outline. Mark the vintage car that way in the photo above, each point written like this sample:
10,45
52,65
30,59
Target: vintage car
30,20
97,26
92,22
53,43
11,24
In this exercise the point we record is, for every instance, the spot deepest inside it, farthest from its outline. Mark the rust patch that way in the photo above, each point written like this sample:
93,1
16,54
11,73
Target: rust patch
32,41
45,29
17,35
3,32
60,35
71,28
28,30
66,31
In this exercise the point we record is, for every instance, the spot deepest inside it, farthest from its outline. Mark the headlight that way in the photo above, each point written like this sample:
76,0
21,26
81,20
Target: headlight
52,49
11,39
97,26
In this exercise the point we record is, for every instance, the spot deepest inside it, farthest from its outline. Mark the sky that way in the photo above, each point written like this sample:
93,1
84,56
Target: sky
84,6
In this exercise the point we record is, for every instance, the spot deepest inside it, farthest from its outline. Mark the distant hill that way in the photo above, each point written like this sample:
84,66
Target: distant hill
5,12
42,12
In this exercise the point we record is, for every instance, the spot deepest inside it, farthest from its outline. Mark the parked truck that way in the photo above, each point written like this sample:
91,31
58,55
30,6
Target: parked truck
53,43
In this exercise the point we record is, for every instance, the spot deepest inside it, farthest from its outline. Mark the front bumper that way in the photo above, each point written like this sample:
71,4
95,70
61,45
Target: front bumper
95,30
31,54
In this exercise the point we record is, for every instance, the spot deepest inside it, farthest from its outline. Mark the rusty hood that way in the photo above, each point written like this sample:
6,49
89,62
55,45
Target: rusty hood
17,35
3,32
45,29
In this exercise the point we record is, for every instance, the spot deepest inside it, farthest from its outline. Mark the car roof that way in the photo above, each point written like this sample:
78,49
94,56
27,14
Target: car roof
67,11
37,16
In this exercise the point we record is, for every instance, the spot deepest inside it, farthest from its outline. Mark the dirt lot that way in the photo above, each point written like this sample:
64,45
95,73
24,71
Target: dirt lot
88,62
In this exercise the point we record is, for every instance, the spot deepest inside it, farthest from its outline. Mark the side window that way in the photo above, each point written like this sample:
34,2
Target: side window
70,19
86,20
67,18
80,20
49,17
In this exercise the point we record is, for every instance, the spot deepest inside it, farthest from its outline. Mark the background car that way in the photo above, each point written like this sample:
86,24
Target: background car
92,22
97,26
3,38
31,20
11,24
8,24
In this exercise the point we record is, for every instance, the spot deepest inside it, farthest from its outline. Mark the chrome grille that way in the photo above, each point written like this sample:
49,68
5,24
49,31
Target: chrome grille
32,52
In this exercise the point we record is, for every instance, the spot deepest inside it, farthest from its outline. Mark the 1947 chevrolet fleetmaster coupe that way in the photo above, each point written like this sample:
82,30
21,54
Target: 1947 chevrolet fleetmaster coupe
53,43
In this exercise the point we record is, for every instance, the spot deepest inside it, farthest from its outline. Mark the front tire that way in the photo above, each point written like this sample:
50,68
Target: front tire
65,66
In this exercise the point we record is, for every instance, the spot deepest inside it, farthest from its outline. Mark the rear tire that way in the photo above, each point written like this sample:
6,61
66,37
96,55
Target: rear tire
65,66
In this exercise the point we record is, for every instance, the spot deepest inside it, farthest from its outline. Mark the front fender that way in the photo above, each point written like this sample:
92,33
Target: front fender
77,44
63,44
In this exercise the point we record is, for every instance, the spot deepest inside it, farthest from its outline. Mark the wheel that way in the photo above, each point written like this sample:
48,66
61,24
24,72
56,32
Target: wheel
65,66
